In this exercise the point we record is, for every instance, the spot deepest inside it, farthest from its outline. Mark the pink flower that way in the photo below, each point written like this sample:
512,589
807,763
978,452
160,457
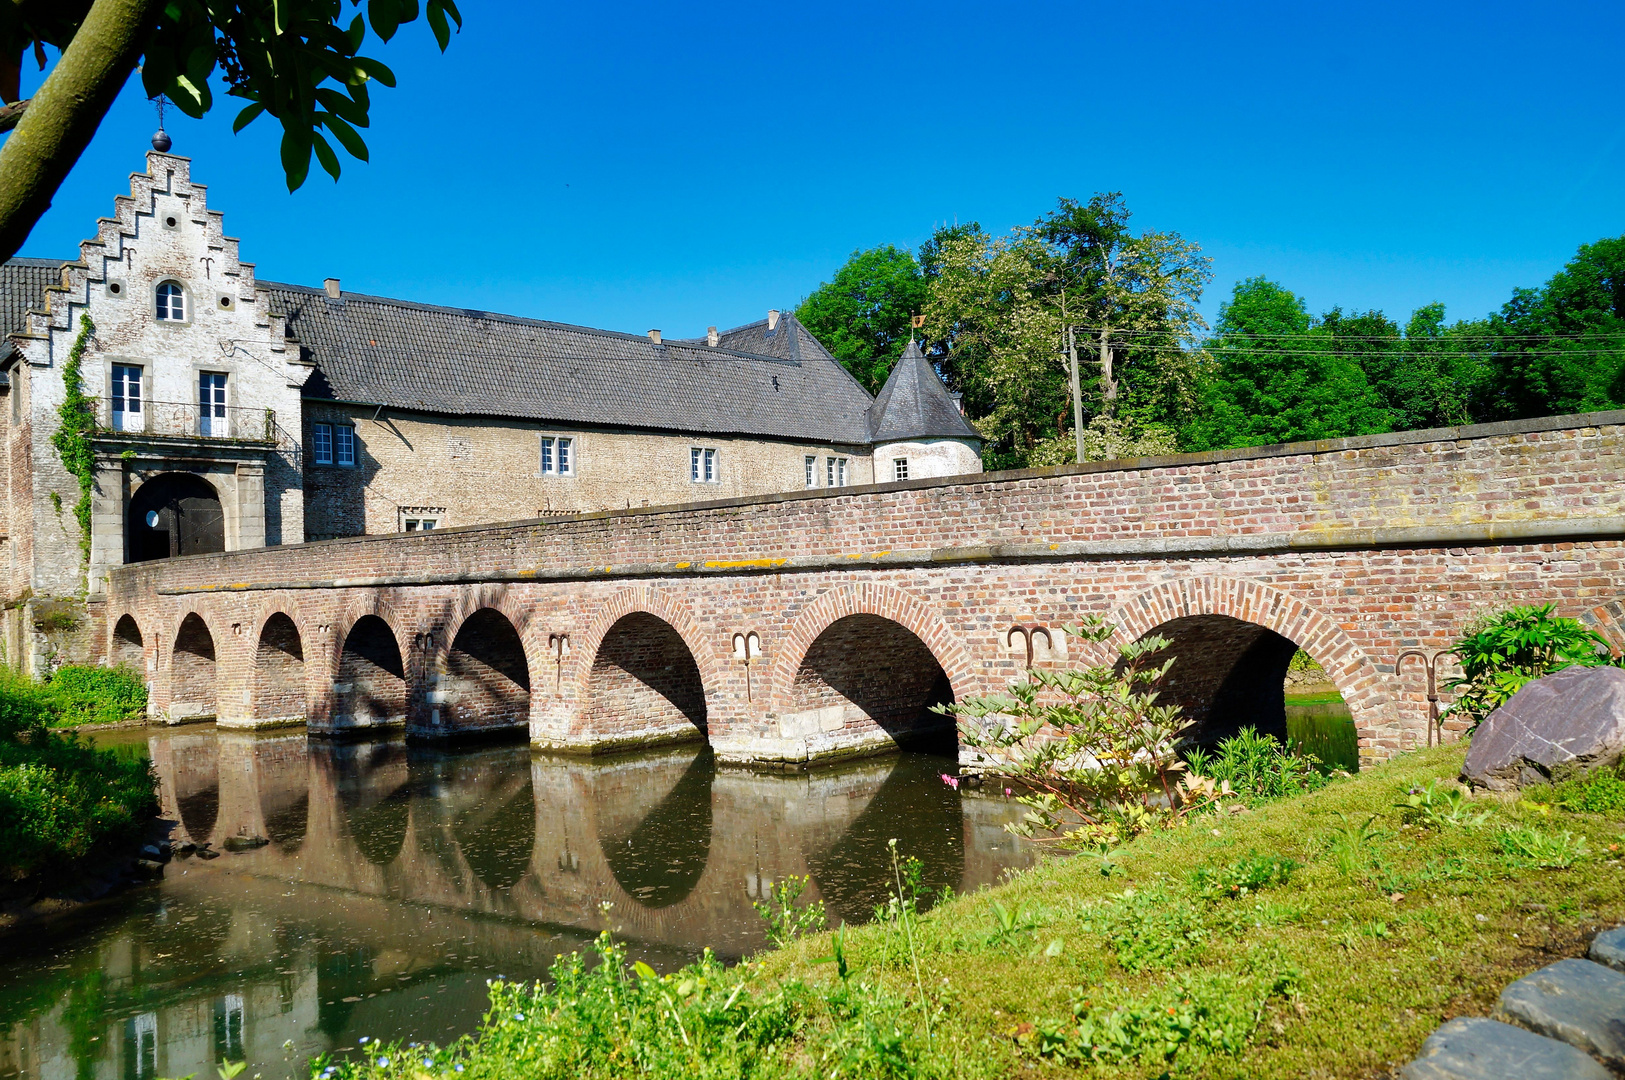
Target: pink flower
951,781
1007,791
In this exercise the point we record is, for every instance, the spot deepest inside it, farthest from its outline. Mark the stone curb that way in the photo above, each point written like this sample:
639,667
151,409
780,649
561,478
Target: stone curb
1571,1024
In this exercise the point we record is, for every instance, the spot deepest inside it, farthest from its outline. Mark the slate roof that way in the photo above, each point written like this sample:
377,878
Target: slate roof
22,289
396,353
915,405
788,340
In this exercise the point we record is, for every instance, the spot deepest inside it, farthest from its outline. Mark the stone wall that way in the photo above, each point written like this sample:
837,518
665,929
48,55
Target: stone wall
474,470
1352,550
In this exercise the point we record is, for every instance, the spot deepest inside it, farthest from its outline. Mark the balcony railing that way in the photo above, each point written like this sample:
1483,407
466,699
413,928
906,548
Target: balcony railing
188,419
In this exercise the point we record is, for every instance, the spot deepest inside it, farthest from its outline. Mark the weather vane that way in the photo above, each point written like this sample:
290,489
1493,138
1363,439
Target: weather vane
161,141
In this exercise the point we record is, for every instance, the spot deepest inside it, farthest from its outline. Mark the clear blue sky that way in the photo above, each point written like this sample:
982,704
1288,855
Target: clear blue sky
641,165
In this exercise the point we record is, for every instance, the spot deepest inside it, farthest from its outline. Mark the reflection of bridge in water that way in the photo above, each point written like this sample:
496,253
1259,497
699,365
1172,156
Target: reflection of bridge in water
395,880
679,848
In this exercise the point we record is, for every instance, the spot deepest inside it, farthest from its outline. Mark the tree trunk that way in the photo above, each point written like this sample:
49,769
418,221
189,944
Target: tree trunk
64,115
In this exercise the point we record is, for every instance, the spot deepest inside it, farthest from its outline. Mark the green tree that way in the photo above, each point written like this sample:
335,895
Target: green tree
299,61
997,315
862,315
1282,378
1561,348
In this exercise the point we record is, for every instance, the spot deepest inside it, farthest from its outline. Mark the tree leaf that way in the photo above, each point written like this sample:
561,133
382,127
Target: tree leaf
295,156
374,70
340,105
324,154
249,114
346,135
385,18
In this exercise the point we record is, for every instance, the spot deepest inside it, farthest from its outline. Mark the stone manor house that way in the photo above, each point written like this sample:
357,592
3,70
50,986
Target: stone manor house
233,413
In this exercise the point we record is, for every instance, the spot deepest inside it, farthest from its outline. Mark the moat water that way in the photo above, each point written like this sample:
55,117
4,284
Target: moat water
394,881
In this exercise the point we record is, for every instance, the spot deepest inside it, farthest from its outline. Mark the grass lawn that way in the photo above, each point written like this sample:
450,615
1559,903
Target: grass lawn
1321,936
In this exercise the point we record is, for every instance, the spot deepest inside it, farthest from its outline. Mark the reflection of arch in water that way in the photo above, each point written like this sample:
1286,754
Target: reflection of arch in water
372,783
913,805
192,670
864,666
644,679
279,672
487,679
371,684
497,834
659,856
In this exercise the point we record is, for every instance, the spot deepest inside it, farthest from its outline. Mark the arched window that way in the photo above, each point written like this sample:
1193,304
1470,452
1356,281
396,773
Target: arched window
171,302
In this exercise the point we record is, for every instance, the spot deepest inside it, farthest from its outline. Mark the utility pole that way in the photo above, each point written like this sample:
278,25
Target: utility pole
1108,385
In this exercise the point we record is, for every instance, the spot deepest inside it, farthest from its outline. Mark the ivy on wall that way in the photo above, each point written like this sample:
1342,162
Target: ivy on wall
76,422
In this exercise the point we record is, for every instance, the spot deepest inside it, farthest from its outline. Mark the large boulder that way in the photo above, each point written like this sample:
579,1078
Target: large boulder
1555,728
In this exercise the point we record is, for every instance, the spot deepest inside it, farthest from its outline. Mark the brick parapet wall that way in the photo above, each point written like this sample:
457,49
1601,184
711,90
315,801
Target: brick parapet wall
1535,480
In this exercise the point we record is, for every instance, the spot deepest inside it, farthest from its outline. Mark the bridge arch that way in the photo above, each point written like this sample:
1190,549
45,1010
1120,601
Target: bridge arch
128,646
1215,612
280,690
825,674
484,672
369,682
644,667
193,684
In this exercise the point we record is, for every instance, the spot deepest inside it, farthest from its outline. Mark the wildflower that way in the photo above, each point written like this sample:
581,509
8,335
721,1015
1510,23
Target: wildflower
518,1016
362,1040
459,1067
951,781
383,1063
428,1064
1007,791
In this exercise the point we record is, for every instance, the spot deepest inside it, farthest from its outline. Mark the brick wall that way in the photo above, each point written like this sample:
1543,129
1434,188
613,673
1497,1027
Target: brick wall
473,470
1352,550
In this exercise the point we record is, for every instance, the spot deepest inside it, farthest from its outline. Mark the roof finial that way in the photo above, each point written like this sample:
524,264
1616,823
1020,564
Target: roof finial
161,141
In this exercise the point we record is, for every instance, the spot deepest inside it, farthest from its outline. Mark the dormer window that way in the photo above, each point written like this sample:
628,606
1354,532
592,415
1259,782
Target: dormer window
171,302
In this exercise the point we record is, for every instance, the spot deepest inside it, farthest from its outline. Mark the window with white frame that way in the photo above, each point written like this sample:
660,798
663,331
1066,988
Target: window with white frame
558,455
835,472
702,465
171,302
125,396
332,444
899,468
812,471
421,524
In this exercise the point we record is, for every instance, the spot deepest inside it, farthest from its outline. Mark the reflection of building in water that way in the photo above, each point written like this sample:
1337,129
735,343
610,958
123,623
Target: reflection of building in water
397,879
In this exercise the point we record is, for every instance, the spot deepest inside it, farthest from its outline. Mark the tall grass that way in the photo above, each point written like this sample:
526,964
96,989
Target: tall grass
1327,732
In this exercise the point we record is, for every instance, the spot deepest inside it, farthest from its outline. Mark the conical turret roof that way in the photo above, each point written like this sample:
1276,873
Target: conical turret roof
915,405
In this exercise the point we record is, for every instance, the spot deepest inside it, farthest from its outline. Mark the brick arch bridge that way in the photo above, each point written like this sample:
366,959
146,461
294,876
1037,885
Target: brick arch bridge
619,629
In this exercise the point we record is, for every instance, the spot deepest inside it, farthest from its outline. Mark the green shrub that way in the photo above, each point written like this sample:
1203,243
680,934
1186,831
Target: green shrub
95,695
1193,1018
60,798
1257,767
1150,930
609,1019
1238,879
1603,792
1501,652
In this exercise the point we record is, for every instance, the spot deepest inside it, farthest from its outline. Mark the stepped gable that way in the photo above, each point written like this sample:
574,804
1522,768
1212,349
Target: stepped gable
787,340
373,350
108,255
915,405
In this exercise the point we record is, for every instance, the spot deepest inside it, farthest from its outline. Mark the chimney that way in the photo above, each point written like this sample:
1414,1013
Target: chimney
654,336
772,320
711,336
332,286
